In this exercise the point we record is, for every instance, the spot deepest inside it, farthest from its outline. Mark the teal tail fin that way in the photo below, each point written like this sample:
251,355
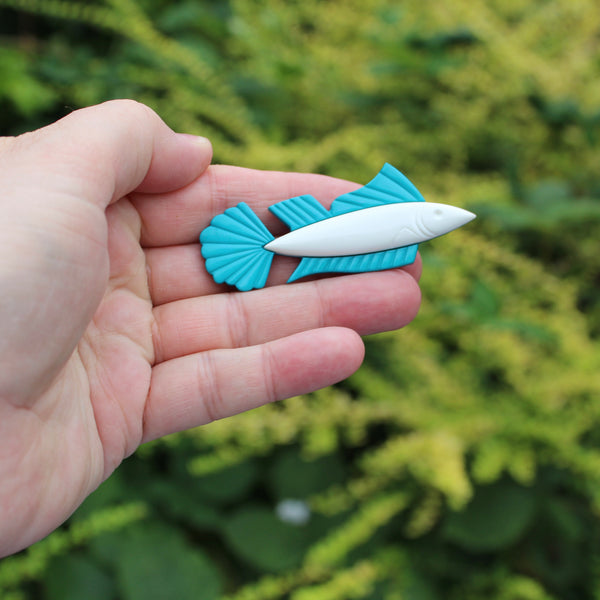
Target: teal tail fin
232,246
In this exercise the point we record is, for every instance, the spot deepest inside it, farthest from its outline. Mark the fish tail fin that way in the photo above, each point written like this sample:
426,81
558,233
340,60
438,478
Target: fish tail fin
233,248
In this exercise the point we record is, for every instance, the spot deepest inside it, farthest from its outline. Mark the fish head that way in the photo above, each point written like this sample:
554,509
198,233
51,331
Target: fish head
443,218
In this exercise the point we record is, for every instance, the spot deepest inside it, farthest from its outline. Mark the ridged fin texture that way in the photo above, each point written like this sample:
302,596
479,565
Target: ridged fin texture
389,186
375,261
232,246
299,211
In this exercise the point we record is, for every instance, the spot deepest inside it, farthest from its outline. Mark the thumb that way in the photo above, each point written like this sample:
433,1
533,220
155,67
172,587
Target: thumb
56,183
106,151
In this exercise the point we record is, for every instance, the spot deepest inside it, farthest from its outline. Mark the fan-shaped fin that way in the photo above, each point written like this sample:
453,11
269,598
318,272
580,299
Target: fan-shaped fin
233,248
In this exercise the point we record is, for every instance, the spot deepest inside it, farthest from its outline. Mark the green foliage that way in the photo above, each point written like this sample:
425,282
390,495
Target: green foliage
18,87
72,577
155,562
495,518
463,460
33,563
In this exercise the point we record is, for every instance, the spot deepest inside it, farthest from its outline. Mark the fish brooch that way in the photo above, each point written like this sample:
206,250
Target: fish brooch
376,227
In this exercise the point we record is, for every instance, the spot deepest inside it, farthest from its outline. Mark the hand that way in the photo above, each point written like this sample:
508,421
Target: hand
113,334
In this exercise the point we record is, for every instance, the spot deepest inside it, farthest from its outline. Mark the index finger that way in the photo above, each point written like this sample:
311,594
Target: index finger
178,217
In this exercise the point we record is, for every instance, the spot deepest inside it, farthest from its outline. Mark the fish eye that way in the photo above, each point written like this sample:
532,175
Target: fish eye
438,212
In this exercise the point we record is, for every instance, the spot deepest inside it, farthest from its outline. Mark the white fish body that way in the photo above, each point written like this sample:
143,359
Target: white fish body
372,230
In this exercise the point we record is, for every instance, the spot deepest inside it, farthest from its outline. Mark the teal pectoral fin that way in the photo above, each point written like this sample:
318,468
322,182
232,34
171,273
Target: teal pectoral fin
233,248
376,261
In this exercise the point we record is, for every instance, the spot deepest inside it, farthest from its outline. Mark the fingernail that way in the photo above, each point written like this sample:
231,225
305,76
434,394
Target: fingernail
197,140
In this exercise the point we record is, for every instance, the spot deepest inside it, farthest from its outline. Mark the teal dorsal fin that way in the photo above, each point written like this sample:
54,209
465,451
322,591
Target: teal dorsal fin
375,261
389,186
299,211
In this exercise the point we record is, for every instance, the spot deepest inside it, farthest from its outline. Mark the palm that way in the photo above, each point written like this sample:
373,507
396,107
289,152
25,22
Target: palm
90,417
115,355
117,335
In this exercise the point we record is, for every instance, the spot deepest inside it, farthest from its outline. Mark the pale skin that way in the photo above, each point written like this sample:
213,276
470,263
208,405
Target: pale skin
113,334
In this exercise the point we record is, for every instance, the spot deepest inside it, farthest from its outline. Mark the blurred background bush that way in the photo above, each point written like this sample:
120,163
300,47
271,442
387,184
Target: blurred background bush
463,460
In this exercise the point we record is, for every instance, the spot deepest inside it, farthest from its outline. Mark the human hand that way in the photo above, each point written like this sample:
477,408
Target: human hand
113,334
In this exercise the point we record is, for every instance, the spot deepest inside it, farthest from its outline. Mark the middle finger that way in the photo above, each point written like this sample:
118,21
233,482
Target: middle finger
366,302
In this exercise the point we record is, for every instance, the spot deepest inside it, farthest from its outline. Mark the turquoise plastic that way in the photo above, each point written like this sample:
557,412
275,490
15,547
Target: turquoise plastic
232,244
389,186
300,211
232,247
376,261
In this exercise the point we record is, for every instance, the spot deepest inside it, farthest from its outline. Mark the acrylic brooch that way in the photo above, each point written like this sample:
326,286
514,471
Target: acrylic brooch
376,227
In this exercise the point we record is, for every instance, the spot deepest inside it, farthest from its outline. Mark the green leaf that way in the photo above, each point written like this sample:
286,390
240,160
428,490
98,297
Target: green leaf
259,538
182,503
230,484
484,300
19,86
293,477
74,577
417,587
564,520
110,492
182,16
496,518
154,562
548,192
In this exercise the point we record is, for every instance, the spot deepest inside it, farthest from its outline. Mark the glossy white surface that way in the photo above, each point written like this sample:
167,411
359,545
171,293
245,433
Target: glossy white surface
372,230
